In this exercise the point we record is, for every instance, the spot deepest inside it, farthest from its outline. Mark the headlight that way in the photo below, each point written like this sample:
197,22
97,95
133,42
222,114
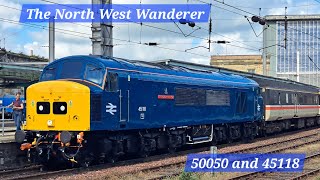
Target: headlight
60,108
43,107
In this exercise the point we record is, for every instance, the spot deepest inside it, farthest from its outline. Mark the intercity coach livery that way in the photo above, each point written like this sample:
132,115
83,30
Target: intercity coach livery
89,109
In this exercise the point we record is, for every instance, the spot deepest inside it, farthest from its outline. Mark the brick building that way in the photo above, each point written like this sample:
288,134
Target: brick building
246,63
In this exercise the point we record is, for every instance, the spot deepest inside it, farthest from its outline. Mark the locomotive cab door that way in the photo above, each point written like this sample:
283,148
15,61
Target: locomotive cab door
116,99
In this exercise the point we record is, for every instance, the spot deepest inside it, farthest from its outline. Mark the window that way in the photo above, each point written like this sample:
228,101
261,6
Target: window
293,98
217,98
287,98
71,69
112,82
48,74
94,74
190,97
275,97
251,70
241,103
300,99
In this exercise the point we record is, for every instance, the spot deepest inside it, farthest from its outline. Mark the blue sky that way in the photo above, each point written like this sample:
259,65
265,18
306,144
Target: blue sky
228,24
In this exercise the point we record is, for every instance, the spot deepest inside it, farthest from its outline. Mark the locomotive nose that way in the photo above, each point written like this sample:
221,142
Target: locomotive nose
58,106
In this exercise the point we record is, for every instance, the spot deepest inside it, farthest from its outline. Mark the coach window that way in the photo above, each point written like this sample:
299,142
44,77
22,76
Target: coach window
305,98
287,98
301,99
112,82
275,97
279,98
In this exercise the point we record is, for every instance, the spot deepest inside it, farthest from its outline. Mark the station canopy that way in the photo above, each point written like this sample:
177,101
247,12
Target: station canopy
13,74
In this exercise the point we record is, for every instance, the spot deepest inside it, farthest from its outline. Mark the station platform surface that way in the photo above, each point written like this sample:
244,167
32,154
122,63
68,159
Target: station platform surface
7,138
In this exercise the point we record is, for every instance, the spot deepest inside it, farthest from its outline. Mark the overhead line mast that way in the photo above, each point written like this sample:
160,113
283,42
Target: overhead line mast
102,35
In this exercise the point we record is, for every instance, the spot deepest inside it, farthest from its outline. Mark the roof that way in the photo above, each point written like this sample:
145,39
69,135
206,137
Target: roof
167,72
225,70
12,73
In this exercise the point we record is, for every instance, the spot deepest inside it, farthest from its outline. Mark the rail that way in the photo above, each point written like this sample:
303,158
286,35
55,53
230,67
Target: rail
3,120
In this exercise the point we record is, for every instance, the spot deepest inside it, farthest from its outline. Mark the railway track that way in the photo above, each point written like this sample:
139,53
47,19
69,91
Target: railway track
284,176
159,172
171,170
9,173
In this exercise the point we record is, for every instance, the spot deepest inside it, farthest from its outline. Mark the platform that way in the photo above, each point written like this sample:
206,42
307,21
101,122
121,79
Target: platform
7,134
10,154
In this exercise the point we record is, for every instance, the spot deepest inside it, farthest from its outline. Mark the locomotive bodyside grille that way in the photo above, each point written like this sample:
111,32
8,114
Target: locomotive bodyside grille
95,101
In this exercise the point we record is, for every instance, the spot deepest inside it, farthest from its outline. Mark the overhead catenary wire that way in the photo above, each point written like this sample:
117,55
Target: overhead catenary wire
141,24
81,34
171,31
76,33
312,35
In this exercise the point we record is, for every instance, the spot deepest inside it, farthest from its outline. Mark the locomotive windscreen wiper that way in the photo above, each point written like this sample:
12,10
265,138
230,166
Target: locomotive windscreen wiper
95,69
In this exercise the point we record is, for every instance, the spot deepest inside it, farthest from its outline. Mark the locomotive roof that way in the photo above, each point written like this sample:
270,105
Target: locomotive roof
202,77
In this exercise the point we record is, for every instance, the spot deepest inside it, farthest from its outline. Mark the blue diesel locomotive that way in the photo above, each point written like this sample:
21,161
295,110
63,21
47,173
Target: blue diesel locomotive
88,108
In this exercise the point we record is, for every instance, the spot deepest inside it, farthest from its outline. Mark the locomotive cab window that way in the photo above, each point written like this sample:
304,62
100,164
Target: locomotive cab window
111,84
94,74
49,74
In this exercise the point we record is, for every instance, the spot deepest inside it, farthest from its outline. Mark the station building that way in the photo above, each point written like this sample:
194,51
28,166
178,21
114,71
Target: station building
292,45
244,63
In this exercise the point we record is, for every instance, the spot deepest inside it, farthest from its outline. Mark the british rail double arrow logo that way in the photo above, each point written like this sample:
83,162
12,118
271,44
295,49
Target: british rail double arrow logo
111,108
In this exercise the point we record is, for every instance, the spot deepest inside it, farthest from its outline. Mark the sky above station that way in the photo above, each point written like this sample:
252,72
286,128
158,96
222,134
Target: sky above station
228,24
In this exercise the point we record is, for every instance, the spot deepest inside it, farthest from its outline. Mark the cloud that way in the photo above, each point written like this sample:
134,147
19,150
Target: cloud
7,15
74,38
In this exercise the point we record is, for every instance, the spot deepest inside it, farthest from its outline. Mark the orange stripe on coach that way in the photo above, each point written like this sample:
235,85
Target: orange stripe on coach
290,107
